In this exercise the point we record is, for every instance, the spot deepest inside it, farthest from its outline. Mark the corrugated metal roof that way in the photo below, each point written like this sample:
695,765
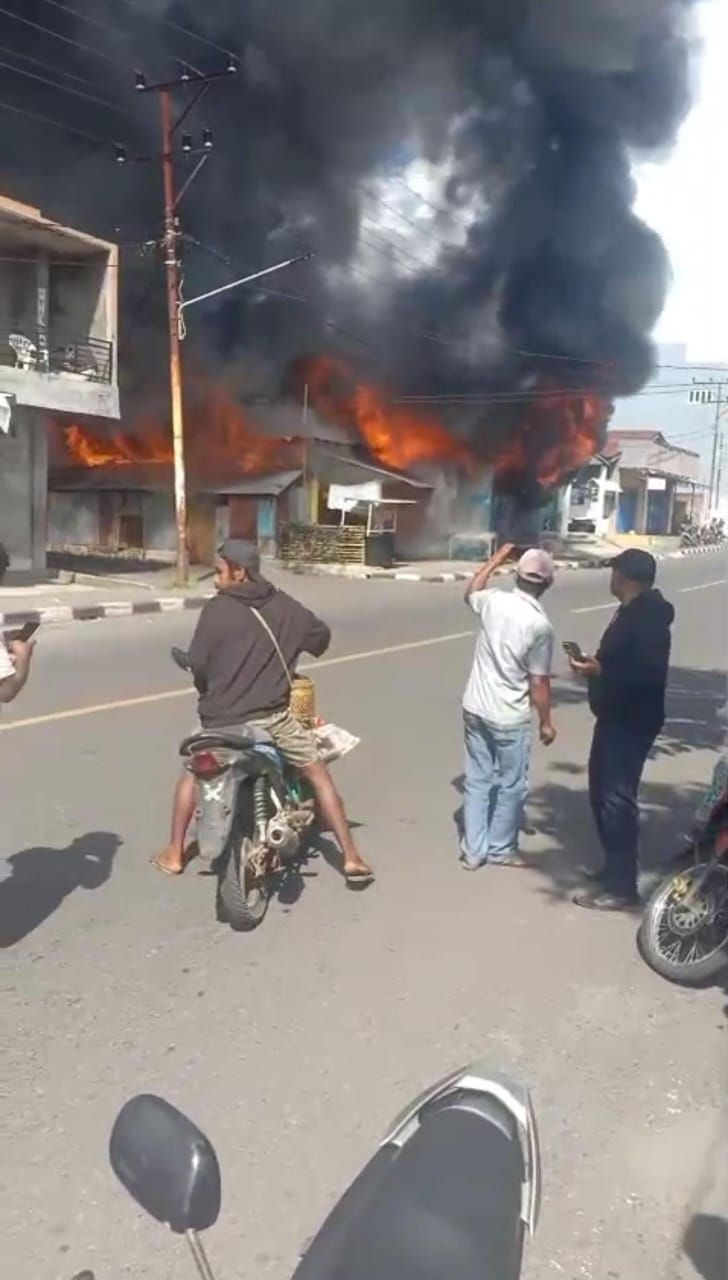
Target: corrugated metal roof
255,486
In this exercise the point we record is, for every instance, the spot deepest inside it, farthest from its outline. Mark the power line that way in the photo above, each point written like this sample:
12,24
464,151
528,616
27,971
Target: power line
445,213
63,88
403,216
83,17
103,26
86,48
47,66
402,253
175,26
55,124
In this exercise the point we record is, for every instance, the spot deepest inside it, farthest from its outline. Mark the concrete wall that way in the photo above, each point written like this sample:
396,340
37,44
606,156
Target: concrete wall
68,304
73,520
23,491
76,302
17,298
160,531
60,392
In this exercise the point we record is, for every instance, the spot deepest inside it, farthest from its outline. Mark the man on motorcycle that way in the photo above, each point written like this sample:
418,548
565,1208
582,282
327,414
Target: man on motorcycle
241,679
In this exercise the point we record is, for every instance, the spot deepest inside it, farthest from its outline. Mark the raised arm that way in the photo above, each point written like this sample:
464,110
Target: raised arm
481,579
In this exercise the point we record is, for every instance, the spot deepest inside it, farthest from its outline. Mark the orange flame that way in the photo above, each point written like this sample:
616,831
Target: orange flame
219,438
92,450
395,436
557,433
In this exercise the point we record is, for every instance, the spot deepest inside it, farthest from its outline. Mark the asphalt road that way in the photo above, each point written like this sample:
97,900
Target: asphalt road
295,1046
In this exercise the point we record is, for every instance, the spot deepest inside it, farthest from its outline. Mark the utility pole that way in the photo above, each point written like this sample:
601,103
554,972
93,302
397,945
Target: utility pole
171,241
171,247
171,267
715,459
711,392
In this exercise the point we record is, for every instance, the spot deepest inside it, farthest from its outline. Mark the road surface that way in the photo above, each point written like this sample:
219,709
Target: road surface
295,1046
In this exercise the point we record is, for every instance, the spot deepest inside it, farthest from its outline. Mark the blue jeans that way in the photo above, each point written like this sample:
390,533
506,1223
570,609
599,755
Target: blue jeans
496,781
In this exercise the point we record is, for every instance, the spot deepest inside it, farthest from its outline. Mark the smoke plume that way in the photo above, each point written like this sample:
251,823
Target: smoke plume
462,170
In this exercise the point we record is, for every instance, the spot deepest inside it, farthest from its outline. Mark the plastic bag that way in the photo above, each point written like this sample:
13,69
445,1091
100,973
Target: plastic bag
334,742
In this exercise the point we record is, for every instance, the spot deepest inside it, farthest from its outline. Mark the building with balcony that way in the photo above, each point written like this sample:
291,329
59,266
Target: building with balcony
58,354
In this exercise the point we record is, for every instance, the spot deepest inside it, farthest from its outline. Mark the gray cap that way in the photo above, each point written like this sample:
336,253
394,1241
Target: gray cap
244,555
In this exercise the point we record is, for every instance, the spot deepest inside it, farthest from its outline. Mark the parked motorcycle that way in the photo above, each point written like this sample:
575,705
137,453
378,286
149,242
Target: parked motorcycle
254,815
684,931
450,1193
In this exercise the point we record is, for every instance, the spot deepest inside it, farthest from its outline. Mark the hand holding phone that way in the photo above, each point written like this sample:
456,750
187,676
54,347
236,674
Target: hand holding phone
26,632
573,651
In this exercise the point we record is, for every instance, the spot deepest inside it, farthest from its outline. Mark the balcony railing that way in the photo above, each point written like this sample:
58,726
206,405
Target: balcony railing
37,351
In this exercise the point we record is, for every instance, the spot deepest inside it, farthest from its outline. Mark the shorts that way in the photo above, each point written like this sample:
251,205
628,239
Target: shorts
296,743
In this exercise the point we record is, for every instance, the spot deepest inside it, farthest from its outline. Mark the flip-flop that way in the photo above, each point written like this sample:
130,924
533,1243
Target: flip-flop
167,870
359,879
191,852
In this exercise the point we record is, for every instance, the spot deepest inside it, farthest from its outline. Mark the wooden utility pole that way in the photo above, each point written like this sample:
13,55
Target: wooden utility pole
171,266
170,244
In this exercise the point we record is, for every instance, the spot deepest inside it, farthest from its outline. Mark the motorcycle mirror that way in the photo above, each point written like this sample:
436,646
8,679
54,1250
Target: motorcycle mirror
166,1164
181,658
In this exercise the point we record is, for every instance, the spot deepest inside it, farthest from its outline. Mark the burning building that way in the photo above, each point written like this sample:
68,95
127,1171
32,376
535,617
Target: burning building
463,177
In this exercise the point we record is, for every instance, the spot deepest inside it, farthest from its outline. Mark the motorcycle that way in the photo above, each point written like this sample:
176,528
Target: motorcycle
683,935
254,815
451,1192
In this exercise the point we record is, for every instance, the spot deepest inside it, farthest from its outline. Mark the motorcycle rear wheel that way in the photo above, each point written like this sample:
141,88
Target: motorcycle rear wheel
686,940
242,897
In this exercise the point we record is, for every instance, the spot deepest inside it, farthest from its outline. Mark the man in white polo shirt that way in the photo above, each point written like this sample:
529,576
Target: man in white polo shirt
15,659
511,676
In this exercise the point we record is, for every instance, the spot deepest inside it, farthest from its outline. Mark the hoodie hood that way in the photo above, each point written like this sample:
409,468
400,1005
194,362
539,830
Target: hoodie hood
255,592
653,608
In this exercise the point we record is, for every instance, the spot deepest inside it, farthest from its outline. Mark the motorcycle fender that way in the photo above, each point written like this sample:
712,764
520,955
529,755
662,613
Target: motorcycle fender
215,812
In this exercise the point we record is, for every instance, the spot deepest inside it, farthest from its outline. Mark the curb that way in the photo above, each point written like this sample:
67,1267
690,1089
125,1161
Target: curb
463,575
111,609
59,614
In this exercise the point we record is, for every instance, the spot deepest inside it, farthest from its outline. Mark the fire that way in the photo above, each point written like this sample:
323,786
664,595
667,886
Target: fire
220,440
93,450
556,433
540,440
393,435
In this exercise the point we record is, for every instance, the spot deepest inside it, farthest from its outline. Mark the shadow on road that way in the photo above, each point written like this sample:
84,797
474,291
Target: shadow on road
706,1245
36,881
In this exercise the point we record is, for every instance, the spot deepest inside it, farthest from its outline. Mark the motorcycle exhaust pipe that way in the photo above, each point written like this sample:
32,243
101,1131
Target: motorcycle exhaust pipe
282,839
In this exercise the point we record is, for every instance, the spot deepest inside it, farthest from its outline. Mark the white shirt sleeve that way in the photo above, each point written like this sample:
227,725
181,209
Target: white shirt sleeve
7,667
540,656
478,601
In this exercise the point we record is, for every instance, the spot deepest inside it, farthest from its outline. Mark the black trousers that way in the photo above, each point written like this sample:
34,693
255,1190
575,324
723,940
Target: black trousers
616,762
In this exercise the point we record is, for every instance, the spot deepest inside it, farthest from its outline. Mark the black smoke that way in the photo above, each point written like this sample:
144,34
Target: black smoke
531,262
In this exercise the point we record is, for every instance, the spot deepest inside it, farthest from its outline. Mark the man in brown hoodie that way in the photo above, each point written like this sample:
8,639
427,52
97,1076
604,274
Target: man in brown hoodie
241,679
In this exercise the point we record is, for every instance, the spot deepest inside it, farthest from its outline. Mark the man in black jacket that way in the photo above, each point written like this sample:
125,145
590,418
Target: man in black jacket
627,681
242,677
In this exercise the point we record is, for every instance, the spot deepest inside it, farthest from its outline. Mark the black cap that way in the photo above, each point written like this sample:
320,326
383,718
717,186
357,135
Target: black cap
243,554
636,565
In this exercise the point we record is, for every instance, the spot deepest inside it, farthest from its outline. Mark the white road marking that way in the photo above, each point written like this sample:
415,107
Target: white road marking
73,713
703,586
595,608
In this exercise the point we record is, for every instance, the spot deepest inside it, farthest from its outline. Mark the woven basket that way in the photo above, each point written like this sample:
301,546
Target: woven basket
303,700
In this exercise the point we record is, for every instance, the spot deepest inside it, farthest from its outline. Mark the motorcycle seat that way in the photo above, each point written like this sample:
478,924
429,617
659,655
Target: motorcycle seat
209,739
446,1205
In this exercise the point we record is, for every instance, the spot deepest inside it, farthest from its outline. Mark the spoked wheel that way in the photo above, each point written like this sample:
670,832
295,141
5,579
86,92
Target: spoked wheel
684,931
244,886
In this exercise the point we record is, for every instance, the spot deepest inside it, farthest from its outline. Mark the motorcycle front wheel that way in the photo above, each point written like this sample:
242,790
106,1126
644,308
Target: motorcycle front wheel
684,931
243,894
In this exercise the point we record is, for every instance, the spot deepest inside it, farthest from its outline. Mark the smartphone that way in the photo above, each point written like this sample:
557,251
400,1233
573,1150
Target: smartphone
25,632
572,651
